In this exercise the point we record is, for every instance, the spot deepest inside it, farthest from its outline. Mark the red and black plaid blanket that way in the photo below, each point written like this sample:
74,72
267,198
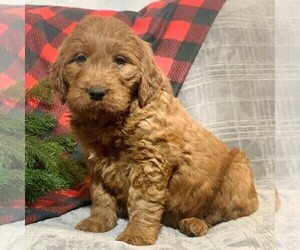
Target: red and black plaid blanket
175,28
12,45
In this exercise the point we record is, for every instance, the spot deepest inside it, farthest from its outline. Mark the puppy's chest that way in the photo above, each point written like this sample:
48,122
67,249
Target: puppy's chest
113,173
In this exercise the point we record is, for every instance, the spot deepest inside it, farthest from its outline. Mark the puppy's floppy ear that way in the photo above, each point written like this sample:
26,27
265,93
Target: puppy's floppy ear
56,74
151,78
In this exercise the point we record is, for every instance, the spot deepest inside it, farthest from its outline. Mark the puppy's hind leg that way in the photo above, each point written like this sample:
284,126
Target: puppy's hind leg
237,196
193,227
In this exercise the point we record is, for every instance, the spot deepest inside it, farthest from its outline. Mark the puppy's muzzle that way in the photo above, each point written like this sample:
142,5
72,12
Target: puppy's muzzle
96,93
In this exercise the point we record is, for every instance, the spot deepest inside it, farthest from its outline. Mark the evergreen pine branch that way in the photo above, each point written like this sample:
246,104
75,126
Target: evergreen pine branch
72,171
38,123
51,157
42,92
11,152
31,158
12,131
12,123
64,140
39,182
46,152
48,163
11,185
11,140
15,92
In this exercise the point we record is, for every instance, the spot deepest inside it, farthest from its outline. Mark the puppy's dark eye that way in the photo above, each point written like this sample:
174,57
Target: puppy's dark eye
80,59
119,60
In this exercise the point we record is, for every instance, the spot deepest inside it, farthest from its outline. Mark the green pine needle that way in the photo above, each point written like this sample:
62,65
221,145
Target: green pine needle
11,140
39,182
42,92
15,92
12,123
64,140
11,185
72,171
48,153
11,153
39,123
48,165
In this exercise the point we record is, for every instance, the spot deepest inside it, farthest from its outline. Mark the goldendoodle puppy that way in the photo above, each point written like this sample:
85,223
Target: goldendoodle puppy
149,161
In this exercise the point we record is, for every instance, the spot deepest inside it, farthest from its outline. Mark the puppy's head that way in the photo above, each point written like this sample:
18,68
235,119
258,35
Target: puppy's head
104,66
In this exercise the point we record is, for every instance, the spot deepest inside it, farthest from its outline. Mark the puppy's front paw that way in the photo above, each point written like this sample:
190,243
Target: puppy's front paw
95,225
193,227
136,237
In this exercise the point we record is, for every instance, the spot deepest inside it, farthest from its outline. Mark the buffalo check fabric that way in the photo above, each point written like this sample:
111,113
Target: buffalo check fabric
175,28
11,54
57,203
12,48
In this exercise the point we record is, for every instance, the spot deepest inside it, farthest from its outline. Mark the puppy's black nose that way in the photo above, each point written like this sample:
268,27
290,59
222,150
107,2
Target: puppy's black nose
96,93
